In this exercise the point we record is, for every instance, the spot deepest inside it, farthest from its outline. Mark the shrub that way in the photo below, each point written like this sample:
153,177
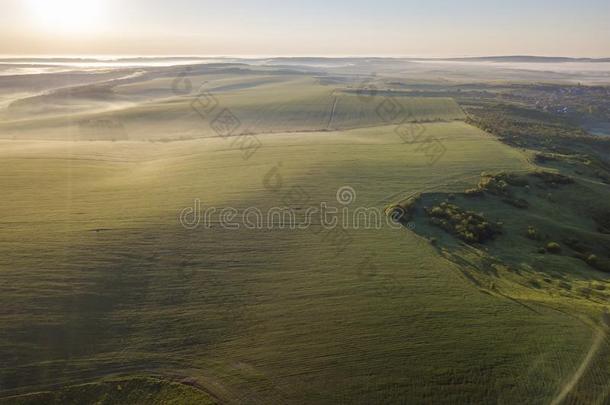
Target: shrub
532,233
437,212
553,247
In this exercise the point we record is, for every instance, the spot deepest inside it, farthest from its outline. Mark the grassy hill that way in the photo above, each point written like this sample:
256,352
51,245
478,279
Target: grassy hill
162,108
101,279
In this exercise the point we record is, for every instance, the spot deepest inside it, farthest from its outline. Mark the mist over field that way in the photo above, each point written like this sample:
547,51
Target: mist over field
389,203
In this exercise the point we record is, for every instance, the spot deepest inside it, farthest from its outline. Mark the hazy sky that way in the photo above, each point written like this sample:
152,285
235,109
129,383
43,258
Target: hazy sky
315,27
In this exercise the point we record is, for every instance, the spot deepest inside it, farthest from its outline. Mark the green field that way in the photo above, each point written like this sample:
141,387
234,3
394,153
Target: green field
101,280
107,298
133,391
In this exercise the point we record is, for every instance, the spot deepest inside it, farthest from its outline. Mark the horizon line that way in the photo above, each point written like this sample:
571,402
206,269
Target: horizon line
261,56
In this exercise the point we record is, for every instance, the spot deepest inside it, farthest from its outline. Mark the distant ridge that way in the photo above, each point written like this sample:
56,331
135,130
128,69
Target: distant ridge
300,59
51,60
525,59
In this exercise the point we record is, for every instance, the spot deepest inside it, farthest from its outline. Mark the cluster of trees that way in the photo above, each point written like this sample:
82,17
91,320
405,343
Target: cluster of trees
543,132
580,249
552,179
584,253
499,185
468,226
526,132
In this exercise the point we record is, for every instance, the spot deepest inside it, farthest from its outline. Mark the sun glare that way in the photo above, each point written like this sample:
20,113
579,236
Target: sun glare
72,16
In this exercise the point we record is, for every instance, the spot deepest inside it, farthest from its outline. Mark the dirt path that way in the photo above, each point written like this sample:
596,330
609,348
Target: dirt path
582,369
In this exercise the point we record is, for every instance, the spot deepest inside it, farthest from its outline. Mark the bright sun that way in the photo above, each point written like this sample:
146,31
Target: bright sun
71,16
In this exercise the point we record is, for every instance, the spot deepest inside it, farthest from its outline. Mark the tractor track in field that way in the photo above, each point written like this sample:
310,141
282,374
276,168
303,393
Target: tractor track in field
332,112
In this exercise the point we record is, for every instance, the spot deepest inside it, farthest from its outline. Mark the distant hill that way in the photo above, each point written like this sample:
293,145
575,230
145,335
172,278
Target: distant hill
292,60
526,59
